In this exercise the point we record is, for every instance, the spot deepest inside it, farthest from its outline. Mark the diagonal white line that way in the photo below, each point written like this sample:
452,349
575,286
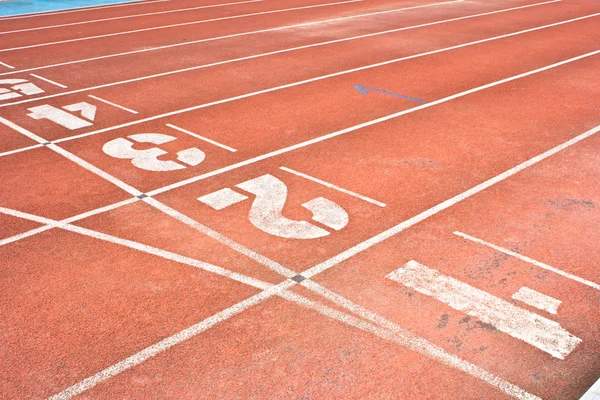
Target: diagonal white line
530,260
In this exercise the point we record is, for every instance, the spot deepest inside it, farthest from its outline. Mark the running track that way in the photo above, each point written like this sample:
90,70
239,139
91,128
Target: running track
301,199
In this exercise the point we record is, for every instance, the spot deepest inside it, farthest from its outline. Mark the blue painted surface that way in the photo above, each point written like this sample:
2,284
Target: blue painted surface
18,7
365,90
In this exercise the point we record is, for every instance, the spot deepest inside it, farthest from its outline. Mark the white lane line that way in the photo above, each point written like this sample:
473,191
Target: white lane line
82,163
353,128
533,329
359,248
144,248
167,343
67,221
177,25
49,81
221,145
272,265
270,30
7,65
79,9
129,110
198,67
531,260
332,186
7,153
128,16
415,343
319,78
538,300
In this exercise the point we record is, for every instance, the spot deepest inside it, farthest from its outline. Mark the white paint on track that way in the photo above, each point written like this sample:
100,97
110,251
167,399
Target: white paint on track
198,67
129,110
213,142
60,85
536,299
127,17
7,65
531,260
391,116
33,46
167,343
332,186
395,230
533,329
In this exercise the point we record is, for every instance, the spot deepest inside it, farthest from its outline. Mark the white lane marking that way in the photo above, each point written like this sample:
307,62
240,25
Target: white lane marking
60,85
273,30
332,186
167,343
359,248
82,163
538,300
593,393
280,269
24,235
391,116
194,68
400,335
33,46
7,65
415,343
221,145
346,130
80,9
129,110
7,153
67,221
533,329
531,260
144,248
127,17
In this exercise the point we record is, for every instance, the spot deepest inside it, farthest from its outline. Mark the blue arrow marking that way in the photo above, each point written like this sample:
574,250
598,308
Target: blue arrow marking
363,90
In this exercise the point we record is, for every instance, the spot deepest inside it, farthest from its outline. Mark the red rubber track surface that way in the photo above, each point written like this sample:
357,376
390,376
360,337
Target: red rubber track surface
349,142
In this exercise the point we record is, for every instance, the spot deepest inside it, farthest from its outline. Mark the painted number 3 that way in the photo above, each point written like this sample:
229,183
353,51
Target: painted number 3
148,159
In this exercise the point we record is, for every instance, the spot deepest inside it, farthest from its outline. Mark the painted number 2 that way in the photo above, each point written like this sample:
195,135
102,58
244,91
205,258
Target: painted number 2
148,159
266,210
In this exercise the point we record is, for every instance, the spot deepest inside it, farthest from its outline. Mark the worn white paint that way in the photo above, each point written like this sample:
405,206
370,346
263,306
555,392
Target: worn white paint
536,299
540,332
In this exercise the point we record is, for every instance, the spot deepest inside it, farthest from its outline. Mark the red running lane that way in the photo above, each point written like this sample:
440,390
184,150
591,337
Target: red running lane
277,16
515,55
154,60
115,27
